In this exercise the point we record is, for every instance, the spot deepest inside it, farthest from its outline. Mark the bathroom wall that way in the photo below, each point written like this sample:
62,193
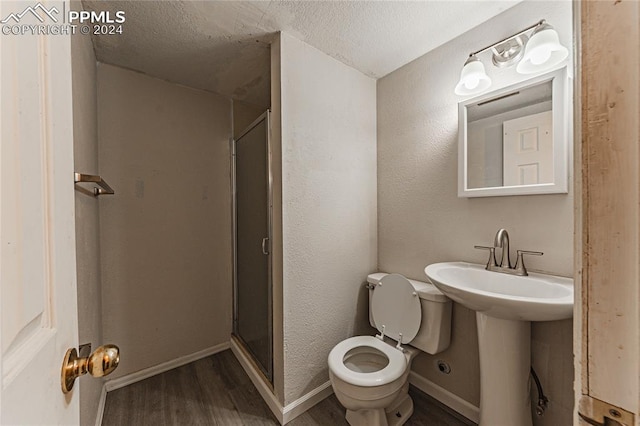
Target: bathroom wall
85,153
243,115
422,221
328,208
165,234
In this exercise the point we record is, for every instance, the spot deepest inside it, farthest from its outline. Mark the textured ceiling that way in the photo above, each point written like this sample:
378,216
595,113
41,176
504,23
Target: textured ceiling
223,46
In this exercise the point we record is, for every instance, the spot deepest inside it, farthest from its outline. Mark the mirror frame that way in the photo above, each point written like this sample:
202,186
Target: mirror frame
561,141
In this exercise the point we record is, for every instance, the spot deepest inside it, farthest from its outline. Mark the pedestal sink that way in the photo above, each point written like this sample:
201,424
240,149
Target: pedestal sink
505,305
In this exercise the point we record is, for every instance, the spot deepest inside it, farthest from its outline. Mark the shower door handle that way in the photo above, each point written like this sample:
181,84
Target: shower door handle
265,245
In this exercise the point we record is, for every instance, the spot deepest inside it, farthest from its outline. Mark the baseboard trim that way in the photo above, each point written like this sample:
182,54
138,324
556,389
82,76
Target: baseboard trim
263,389
101,402
306,401
289,412
129,379
449,399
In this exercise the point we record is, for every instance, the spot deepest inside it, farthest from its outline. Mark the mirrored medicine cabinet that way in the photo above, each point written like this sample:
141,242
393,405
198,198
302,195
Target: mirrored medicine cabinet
515,140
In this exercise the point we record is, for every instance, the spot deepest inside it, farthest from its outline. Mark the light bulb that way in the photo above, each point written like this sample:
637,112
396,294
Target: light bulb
543,51
473,78
540,55
472,82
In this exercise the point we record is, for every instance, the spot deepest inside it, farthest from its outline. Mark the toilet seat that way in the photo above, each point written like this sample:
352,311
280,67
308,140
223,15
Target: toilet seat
396,367
396,310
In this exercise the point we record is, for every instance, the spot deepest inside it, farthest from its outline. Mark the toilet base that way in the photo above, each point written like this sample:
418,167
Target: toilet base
394,415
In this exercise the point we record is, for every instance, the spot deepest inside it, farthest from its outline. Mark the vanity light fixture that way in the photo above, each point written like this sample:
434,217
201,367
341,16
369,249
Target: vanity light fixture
473,78
543,51
539,53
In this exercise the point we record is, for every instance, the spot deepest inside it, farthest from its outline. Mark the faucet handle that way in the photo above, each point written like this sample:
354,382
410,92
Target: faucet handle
534,253
520,268
492,256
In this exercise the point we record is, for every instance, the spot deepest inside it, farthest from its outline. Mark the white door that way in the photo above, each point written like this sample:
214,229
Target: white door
38,313
528,150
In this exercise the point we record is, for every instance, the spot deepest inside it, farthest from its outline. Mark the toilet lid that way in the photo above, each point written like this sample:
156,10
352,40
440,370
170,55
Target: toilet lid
396,306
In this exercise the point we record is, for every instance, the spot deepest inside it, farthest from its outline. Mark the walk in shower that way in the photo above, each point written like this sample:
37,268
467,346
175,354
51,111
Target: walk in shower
252,206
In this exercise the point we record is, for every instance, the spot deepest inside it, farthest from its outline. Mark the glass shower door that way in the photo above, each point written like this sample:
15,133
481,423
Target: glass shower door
252,258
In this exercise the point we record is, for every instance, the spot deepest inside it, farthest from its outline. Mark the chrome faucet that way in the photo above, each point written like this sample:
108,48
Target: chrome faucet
502,241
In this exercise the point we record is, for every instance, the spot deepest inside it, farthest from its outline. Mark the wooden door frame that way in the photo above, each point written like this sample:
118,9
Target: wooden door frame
607,210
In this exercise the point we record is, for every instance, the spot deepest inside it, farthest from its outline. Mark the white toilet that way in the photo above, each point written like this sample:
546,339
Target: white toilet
370,374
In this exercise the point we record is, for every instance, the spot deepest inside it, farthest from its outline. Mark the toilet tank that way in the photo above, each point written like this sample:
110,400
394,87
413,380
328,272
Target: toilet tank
434,335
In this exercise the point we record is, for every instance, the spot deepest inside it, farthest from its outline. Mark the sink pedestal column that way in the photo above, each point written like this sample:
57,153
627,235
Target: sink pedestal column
505,362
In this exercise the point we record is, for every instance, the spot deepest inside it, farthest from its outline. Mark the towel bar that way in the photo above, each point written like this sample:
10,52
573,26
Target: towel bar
103,187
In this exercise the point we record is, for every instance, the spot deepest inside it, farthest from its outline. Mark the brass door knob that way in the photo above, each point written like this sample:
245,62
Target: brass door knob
100,363
103,360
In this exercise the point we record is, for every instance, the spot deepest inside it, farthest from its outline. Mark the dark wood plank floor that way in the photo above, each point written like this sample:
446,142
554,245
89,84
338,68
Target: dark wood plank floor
216,391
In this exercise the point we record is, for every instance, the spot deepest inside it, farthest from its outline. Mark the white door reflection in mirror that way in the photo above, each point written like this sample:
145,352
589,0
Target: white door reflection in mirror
528,150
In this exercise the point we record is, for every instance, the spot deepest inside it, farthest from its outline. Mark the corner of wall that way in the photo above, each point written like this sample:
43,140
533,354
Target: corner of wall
277,290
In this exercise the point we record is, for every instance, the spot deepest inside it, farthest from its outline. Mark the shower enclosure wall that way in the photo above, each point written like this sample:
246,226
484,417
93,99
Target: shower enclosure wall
252,206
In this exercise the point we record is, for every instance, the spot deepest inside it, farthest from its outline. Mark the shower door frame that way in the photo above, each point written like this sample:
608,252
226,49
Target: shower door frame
268,371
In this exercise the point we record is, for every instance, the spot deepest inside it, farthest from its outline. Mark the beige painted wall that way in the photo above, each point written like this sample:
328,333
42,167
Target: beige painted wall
243,115
85,153
421,220
165,234
328,208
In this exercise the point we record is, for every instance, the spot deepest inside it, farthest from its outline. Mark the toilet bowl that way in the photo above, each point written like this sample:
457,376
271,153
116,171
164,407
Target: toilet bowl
369,375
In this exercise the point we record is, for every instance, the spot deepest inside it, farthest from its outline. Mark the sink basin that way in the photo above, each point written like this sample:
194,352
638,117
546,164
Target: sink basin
537,297
505,305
